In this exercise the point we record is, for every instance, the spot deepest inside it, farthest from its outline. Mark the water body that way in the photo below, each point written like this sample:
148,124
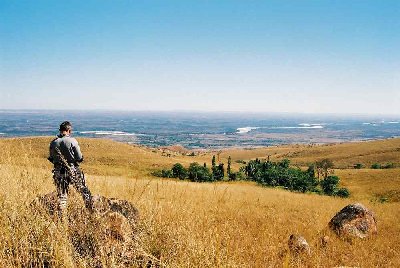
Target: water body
201,130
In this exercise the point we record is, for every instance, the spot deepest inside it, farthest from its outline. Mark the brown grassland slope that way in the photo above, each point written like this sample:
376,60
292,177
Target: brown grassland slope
184,224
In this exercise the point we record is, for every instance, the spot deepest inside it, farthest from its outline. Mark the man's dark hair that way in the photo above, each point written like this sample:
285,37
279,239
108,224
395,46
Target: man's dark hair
65,126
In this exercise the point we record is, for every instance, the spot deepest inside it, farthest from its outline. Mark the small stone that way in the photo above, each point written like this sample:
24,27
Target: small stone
298,244
325,240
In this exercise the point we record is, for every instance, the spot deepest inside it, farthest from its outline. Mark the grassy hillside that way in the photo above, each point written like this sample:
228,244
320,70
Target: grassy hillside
203,225
344,155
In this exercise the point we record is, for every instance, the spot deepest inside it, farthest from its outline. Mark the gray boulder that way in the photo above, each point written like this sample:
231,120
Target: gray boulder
354,221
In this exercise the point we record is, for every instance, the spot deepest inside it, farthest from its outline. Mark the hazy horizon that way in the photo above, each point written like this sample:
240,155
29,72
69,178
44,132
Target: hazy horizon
201,130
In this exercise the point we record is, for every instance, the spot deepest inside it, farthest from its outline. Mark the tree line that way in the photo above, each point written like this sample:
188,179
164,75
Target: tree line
200,173
318,178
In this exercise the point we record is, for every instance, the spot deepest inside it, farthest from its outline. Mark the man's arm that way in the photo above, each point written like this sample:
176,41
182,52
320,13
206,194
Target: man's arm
50,158
77,151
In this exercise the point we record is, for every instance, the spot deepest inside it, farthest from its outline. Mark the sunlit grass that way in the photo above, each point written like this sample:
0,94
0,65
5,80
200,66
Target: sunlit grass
186,224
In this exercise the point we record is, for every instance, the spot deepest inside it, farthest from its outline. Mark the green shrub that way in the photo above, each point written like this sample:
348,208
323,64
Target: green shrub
342,192
199,173
358,166
157,173
329,184
236,176
178,171
376,166
388,165
380,166
167,173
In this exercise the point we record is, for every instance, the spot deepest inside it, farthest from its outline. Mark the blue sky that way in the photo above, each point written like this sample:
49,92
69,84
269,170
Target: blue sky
259,56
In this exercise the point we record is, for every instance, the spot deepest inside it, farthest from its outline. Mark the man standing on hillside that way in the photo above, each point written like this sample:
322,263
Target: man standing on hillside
66,155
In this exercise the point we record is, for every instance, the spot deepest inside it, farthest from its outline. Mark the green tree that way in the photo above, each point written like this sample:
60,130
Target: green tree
199,173
217,171
220,174
178,171
228,168
311,170
270,173
213,164
329,184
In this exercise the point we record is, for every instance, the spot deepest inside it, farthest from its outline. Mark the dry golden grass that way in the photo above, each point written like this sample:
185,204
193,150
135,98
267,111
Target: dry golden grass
344,155
372,184
198,224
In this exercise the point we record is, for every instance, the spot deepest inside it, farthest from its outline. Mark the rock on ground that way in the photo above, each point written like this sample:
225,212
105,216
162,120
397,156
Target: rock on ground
105,206
101,206
354,221
107,237
298,244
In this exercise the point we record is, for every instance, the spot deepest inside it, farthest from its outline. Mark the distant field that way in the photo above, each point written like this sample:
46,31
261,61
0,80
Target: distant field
235,224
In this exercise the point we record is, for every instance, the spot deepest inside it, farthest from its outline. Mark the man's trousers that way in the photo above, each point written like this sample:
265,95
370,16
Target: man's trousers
62,180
